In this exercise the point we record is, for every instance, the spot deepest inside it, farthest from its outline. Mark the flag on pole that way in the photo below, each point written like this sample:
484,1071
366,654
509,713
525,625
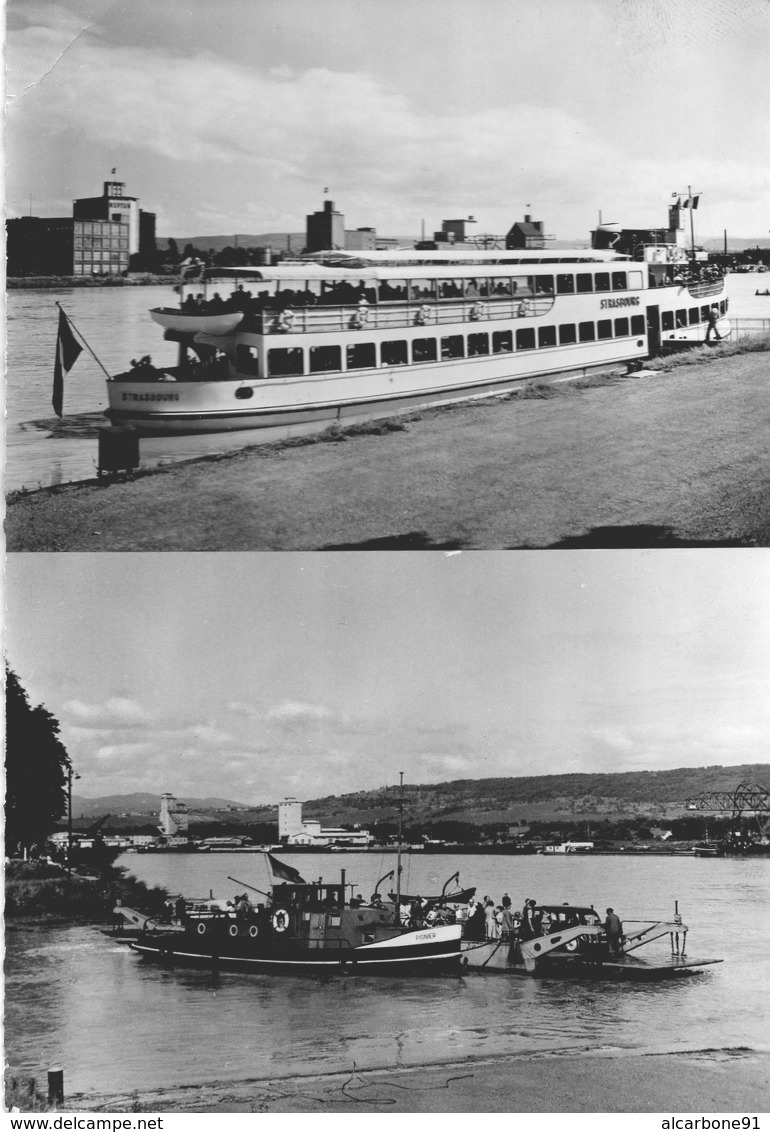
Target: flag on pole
692,202
68,349
284,872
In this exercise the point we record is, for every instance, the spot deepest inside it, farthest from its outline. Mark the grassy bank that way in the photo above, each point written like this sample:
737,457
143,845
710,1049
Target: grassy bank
599,462
37,890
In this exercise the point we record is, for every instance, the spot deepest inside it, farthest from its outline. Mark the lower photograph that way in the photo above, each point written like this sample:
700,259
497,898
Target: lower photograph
346,833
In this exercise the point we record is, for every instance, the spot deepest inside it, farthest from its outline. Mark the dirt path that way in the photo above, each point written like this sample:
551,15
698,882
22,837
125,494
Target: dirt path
680,457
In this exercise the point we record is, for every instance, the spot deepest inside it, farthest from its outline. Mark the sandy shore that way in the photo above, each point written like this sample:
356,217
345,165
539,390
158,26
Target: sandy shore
612,1080
663,459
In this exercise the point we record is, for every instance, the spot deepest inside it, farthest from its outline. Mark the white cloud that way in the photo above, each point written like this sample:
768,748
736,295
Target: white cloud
208,734
291,711
122,752
118,711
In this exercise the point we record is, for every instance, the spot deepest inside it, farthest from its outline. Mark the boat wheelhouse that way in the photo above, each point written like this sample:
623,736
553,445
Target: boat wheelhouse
340,337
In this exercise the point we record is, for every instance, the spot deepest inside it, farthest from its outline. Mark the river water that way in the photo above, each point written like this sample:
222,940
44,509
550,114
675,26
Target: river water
42,451
117,1023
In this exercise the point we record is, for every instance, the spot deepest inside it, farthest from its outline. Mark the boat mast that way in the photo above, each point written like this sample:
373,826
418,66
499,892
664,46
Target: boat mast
400,839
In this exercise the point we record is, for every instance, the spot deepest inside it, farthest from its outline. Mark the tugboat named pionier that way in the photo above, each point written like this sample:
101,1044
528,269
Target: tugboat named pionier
305,928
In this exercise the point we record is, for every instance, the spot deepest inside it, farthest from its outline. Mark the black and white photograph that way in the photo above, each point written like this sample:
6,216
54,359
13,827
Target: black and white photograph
300,820
393,833
385,275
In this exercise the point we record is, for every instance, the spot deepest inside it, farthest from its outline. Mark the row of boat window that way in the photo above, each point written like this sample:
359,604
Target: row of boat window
688,316
343,292
290,362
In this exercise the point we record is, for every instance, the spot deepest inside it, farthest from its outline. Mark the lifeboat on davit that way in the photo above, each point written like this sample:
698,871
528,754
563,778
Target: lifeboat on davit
196,322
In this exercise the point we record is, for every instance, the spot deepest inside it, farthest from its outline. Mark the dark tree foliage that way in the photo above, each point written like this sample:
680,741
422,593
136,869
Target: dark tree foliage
36,771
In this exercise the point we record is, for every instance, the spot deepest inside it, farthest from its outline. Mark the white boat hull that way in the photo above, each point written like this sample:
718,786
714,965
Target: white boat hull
303,404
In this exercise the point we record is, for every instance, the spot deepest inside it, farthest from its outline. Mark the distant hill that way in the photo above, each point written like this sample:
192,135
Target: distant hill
144,805
659,793
655,793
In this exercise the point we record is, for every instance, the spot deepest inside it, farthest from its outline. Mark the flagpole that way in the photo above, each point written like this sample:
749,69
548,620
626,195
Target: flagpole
80,336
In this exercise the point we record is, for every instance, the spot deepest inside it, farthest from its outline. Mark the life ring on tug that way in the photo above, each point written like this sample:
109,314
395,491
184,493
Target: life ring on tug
477,311
253,931
201,929
280,920
233,930
285,321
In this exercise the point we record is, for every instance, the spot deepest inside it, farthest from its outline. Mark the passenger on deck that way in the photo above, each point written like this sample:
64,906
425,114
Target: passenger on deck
507,921
243,907
530,921
489,913
475,925
614,929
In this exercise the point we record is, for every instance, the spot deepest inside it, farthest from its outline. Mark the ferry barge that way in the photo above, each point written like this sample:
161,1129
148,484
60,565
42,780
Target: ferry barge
305,928
575,945
344,336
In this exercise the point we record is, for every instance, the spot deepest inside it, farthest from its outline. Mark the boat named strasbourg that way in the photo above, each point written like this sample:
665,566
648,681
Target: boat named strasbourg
345,336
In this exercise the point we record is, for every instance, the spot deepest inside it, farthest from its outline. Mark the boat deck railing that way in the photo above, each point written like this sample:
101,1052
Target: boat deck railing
307,320
705,290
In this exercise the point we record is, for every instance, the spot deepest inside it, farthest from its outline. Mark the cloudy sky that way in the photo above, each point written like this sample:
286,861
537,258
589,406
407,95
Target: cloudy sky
236,115
253,676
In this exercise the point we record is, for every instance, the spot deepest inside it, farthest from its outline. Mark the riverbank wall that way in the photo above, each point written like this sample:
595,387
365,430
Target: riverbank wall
56,282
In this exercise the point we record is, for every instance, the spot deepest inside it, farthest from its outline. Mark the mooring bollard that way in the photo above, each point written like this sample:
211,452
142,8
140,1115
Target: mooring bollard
118,453
56,1084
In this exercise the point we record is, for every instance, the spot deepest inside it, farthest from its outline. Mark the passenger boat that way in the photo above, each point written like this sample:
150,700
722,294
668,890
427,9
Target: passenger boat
576,946
344,336
305,928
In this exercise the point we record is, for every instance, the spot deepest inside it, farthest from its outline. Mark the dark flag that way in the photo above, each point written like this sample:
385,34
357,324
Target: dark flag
68,349
284,872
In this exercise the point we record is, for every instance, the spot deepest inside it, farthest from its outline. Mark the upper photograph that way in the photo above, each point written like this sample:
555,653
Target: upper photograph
340,276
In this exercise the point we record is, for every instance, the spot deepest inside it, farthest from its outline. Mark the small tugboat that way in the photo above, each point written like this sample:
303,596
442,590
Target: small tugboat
305,928
575,945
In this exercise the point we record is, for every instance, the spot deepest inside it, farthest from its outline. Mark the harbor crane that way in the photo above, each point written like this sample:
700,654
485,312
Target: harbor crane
748,800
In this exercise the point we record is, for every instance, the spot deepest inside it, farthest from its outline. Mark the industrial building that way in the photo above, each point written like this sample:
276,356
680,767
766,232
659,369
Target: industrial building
325,231
526,233
292,830
106,235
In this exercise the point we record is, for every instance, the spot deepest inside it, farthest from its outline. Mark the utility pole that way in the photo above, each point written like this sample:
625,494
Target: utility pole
400,838
70,775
